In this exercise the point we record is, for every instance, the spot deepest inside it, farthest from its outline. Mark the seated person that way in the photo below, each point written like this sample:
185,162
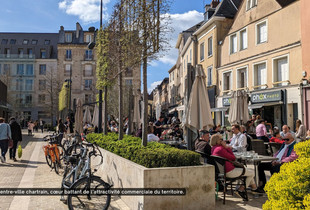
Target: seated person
285,154
285,130
114,127
248,138
202,143
219,148
239,141
276,138
150,135
177,132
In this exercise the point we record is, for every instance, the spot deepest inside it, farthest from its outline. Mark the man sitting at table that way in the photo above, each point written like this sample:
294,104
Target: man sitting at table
238,141
177,132
202,143
285,154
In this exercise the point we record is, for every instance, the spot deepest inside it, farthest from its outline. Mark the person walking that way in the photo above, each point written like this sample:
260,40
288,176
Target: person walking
69,128
5,135
16,136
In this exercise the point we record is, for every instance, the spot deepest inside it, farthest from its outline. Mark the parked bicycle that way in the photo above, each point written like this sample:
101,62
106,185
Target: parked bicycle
53,152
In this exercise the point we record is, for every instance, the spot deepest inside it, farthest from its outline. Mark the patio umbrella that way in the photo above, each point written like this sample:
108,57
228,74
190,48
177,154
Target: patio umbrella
198,114
87,115
78,125
158,111
95,116
238,111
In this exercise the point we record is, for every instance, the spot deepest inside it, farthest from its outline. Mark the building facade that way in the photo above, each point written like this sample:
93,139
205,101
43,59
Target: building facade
264,58
25,60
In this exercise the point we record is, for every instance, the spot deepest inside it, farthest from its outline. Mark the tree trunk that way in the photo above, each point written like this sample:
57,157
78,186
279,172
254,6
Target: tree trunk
120,78
105,110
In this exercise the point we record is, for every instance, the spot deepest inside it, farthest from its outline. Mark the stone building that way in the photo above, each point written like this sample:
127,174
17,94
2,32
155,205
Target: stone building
26,62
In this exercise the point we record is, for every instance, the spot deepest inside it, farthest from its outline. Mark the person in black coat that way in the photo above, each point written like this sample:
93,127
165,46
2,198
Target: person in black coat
16,136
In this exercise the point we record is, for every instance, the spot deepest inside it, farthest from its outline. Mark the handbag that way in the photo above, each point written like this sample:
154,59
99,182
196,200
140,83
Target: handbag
10,143
19,151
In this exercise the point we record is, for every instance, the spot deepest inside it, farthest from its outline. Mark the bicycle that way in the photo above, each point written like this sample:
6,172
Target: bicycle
84,179
53,152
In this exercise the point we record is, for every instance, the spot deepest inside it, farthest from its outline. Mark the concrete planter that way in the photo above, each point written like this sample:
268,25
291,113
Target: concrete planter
197,180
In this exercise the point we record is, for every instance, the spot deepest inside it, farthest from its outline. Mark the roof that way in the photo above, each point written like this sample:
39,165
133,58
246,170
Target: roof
228,8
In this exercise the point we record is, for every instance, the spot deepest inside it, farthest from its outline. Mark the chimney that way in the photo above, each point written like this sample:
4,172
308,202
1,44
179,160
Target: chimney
78,29
62,28
214,3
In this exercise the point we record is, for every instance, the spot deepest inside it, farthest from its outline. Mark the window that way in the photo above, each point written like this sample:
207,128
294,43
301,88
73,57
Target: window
260,75
242,78
202,51
68,37
233,43
29,83
29,52
34,41
20,52
261,30
210,47
88,98
28,99
88,84
88,38
19,84
25,41
68,55
47,42
42,70
6,68
88,70
20,69
4,41
129,72
227,81
184,67
250,4
280,70
243,39
128,82
42,53
7,52
42,84
209,76
42,99
88,54
67,69
12,41
29,69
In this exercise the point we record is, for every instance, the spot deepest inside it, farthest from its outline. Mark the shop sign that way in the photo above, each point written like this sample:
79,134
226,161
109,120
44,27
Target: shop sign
266,97
226,101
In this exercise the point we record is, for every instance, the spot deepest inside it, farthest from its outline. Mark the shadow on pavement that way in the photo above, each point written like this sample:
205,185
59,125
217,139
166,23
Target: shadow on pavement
31,162
17,165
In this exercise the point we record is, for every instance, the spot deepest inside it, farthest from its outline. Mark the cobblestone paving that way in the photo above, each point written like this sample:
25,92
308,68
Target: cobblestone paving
32,171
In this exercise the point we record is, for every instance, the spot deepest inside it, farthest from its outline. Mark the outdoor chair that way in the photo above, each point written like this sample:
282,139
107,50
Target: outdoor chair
259,147
274,147
226,181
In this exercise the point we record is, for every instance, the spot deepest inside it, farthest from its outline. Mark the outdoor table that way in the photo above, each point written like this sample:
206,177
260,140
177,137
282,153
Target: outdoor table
173,143
256,161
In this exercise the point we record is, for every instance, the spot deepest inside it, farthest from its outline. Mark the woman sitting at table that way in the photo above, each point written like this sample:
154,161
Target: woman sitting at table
277,138
219,148
150,135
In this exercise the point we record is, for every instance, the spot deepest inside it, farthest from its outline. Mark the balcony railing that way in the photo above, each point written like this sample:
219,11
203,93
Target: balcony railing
278,83
68,58
17,56
88,57
264,86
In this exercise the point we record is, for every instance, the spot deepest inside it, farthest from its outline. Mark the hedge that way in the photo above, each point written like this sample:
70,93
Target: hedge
290,188
154,155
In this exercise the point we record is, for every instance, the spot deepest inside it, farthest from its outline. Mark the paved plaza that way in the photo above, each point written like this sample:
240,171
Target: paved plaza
31,171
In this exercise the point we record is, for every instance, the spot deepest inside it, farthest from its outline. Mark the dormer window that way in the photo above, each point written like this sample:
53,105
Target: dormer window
250,4
68,37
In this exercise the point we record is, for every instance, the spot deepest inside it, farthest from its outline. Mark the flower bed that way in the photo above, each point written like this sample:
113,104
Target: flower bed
154,155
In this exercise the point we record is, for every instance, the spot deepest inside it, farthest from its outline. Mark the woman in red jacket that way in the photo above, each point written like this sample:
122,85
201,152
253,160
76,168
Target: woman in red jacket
219,148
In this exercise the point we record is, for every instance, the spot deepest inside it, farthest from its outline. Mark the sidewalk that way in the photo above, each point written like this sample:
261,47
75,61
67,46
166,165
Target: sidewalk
31,171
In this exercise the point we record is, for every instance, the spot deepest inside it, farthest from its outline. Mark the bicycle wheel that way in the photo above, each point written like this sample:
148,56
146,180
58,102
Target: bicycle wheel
89,201
48,160
56,164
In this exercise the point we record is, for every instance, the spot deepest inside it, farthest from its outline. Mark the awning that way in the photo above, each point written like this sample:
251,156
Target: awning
219,109
178,108
258,106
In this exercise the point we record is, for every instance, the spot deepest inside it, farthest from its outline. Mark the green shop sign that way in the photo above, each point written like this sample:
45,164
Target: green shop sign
226,101
266,97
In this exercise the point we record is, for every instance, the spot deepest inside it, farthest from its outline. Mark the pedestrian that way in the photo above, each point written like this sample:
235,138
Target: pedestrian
69,128
30,128
16,137
61,130
5,135
41,125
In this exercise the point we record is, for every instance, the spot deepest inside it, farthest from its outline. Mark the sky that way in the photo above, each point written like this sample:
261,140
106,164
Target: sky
46,16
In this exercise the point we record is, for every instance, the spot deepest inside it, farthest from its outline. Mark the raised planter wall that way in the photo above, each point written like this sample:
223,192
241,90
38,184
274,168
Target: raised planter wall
197,180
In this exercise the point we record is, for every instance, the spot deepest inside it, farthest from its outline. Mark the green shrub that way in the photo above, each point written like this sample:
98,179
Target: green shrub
290,188
154,155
